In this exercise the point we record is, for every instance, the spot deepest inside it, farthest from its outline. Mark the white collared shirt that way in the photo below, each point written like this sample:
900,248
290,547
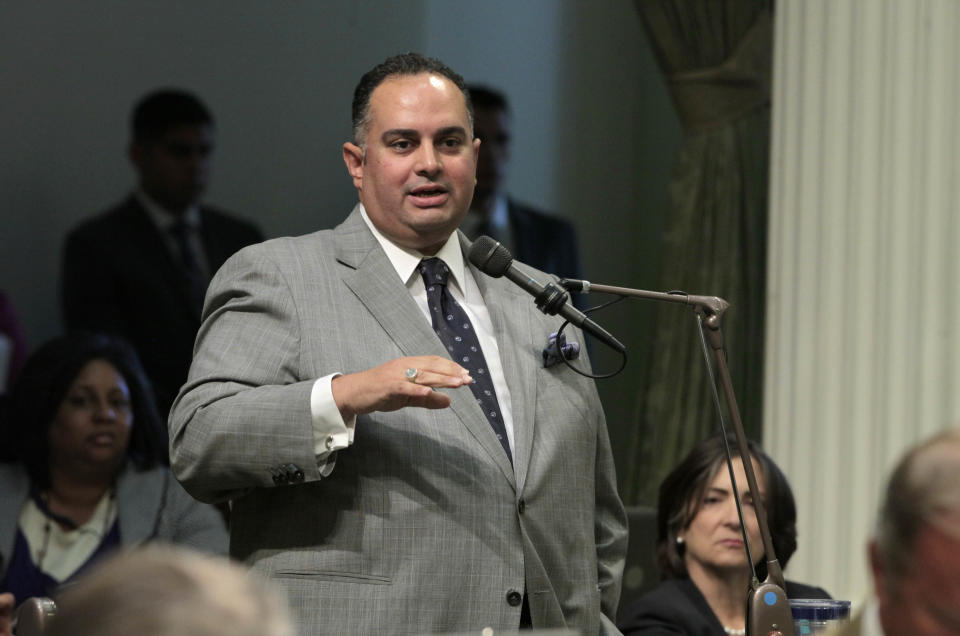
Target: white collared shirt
331,433
164,220
58,552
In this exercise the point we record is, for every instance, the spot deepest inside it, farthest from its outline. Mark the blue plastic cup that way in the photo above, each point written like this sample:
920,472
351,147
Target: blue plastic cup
814,615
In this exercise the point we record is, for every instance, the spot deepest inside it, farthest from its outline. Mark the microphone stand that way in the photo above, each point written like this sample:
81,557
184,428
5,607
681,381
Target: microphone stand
768,609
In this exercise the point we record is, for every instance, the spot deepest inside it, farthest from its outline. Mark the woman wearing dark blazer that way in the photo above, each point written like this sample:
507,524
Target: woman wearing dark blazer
700,552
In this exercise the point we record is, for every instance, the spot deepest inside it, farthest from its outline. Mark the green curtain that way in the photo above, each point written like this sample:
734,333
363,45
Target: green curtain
716,58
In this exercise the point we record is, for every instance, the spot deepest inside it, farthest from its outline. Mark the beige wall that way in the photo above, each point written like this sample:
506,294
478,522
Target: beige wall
862,345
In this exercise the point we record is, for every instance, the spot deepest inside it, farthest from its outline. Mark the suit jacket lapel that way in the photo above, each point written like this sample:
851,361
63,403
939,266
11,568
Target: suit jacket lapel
154,253
509,305
13,494
371,276
141,498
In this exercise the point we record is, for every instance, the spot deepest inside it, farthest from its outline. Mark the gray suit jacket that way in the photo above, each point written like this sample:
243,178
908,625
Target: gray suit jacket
423,525
151,506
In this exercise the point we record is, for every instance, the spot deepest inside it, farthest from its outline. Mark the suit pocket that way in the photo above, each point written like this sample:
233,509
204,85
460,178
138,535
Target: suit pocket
329,528
565,389
321,575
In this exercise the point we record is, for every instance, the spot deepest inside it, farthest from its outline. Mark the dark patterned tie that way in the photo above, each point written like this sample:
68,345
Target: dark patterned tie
456,332
193,283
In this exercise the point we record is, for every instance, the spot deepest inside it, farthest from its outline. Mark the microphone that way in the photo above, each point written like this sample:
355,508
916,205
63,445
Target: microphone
767,608
493,259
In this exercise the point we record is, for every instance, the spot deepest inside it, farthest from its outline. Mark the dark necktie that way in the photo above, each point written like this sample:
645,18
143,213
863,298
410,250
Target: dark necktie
456,332
193,283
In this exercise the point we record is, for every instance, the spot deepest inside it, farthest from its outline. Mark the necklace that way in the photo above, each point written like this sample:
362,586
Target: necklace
47,526
735,632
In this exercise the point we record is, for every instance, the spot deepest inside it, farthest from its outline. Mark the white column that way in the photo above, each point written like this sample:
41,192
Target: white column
864,274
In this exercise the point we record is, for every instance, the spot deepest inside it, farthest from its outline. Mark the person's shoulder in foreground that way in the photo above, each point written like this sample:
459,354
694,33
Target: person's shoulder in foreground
914,553
166,590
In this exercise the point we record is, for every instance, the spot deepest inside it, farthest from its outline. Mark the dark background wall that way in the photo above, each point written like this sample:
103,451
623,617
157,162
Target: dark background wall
594,139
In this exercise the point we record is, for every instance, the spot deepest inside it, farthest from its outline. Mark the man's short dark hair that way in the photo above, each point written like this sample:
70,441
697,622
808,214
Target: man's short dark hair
161,110
486,98
924,488
402,64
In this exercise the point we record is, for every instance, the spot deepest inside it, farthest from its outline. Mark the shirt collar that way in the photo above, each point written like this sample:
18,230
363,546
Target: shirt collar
405,260
163,218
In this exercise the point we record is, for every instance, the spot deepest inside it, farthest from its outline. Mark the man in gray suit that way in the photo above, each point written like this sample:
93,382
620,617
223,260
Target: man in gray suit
387,488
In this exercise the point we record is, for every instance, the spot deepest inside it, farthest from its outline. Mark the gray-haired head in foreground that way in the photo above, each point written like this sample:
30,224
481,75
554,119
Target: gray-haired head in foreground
402,64
924,488
166,591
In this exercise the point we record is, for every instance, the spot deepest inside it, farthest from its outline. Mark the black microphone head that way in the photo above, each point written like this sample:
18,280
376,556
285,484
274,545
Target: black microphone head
490,257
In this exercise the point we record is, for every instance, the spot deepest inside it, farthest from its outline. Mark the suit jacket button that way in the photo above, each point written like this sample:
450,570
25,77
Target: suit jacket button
521,506
514,598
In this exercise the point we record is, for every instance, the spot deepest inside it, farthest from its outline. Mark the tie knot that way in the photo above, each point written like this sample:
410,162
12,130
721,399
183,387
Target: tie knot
434,271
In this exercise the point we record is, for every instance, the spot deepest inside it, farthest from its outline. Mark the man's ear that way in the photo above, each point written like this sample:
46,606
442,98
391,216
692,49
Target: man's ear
353,158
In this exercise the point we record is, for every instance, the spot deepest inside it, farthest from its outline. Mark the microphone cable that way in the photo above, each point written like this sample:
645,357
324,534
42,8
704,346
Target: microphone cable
557,340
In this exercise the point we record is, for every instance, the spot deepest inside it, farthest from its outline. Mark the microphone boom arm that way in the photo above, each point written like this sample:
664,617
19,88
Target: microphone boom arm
768,609
714,305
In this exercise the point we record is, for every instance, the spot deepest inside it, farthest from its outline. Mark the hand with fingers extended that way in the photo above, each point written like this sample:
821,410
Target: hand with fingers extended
398,384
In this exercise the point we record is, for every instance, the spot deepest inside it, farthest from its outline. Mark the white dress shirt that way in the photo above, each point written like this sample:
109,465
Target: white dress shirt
164,221
330,431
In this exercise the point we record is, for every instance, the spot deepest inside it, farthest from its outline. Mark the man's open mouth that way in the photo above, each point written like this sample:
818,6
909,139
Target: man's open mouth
426,192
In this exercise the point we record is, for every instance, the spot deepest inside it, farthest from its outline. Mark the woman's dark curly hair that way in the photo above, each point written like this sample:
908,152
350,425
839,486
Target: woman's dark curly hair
43,383
682,491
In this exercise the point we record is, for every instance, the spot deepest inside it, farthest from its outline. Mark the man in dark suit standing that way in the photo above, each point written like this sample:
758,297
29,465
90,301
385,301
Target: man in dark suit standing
140,269
541,240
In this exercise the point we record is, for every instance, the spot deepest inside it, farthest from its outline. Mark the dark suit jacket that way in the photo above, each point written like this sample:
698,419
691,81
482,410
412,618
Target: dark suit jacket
676,606
119,277
545,242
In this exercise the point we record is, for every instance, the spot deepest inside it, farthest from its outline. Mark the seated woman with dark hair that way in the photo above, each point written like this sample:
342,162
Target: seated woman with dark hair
90,474
700,553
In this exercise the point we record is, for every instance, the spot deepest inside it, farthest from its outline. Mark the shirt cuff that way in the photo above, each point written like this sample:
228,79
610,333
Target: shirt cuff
330,431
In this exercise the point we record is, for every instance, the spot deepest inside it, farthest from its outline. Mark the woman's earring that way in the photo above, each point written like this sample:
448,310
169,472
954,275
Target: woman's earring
679,540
